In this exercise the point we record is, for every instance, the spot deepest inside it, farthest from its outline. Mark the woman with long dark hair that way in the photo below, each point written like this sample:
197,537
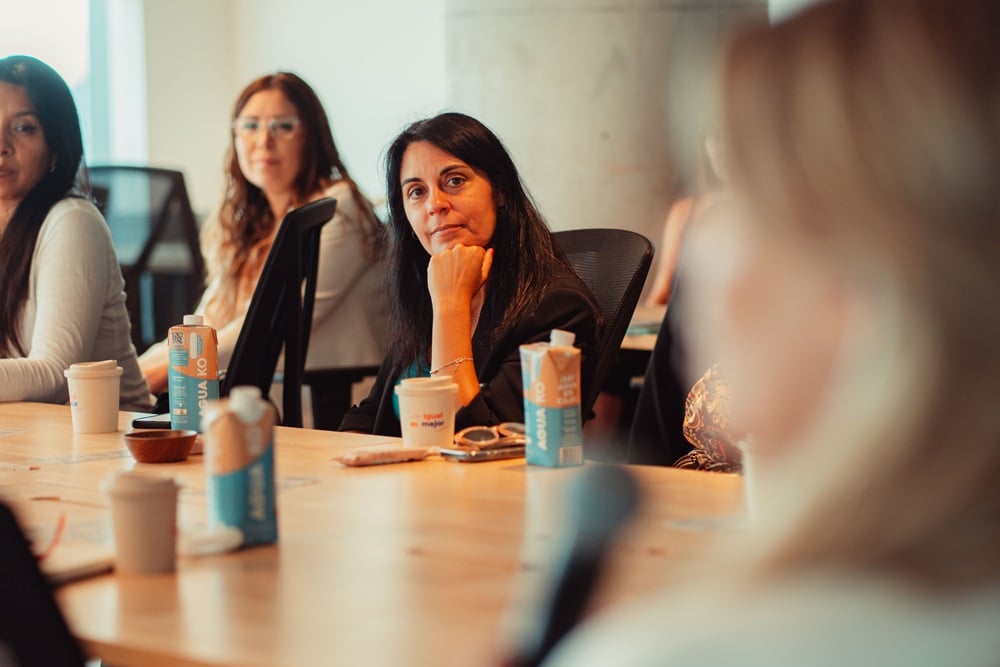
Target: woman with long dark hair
62,298
282,156
474,273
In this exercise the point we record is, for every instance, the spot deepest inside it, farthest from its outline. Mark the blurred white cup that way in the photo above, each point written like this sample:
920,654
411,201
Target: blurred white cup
144,522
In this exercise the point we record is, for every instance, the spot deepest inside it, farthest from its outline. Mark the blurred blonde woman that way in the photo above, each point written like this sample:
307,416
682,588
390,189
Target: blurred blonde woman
281,157
858,317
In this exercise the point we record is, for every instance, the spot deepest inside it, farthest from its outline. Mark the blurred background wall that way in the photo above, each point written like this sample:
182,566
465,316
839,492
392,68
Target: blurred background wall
577,89
580,90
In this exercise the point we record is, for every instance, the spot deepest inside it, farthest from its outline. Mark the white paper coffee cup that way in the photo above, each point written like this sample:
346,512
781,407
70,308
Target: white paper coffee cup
94,387
143,522
427,411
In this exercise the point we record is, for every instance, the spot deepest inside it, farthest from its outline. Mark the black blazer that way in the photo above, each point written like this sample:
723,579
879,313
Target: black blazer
566,304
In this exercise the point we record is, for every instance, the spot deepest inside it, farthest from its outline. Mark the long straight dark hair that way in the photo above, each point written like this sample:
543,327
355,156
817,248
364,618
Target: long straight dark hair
525,258
56,112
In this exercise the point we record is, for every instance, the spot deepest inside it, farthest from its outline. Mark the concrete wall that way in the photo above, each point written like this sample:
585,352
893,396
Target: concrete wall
579,91
189,87
375,66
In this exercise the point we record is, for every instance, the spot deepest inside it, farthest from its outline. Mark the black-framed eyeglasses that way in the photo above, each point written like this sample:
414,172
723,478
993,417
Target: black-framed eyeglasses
488,437
279,127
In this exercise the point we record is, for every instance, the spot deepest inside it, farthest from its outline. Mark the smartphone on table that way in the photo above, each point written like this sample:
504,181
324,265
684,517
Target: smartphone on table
152,421
469,455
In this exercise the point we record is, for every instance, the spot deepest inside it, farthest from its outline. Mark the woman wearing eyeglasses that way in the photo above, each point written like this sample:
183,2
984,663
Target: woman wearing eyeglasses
281,157
475,273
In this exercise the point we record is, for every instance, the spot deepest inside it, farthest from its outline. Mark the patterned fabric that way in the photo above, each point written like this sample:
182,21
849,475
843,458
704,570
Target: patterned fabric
707,428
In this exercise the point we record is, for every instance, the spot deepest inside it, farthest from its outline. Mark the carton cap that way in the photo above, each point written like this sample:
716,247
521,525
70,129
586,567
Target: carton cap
196,320
245,401
560,338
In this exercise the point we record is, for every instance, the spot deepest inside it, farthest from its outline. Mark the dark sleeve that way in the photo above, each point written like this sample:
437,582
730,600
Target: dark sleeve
657,436
362,416
566,305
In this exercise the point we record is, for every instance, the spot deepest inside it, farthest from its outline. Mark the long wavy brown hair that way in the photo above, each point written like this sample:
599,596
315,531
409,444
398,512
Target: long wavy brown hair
236,245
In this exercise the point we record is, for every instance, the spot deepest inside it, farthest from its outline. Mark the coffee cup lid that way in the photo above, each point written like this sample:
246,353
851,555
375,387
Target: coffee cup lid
415,386
137,483
93,369
434,381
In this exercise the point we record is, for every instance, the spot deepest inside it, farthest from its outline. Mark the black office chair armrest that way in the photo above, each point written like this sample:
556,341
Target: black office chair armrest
331,392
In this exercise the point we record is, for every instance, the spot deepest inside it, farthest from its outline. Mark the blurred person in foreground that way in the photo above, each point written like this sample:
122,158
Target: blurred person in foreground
857,317
691,210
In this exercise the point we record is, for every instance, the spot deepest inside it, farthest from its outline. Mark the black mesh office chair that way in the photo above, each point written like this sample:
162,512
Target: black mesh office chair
156,239
280,312
613,263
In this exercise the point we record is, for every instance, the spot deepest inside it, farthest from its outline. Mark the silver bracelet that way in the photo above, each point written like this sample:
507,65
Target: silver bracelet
456,362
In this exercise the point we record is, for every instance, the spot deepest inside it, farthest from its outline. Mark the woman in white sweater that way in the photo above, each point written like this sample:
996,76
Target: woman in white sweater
62,298
855,304
281,157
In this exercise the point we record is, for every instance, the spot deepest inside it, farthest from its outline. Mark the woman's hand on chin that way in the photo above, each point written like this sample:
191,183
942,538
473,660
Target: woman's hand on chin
455,275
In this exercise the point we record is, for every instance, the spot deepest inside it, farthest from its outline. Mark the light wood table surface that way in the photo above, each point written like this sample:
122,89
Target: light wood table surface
643,328
423,563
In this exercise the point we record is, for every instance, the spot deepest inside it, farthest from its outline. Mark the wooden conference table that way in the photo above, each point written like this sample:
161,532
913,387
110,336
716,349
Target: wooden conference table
419,563
643,328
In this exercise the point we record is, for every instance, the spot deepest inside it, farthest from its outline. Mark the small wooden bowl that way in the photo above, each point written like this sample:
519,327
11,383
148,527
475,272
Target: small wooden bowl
160,445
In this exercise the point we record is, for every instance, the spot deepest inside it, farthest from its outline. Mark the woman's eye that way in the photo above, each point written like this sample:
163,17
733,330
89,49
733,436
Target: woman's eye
25,128
246,126
414,193
455,181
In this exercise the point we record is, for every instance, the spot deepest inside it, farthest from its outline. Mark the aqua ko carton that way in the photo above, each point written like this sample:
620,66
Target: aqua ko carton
193,371
550,374
239,465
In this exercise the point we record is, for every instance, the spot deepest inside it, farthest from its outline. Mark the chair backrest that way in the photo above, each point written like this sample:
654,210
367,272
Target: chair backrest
613,263
143,206
280,312
146,207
